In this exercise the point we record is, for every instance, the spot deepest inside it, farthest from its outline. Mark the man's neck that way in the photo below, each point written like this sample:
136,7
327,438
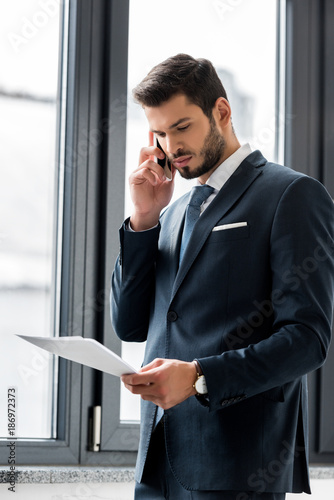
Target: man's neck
228,151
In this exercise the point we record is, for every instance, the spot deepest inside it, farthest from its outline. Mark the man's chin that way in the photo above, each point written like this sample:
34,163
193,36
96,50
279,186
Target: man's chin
186,173
189,174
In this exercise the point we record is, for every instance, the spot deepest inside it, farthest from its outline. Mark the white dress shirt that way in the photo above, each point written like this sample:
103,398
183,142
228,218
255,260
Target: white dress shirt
222,173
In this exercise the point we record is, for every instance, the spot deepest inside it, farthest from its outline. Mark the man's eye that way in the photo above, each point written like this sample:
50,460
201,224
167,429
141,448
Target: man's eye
183,128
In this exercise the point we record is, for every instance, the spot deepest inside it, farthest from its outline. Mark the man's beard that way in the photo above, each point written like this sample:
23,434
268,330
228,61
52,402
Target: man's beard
212,152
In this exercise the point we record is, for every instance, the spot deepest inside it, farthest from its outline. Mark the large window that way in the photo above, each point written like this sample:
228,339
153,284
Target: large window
229,34
29,101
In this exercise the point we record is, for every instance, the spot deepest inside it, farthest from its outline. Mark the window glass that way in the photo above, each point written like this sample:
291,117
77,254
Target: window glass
30,42
239,37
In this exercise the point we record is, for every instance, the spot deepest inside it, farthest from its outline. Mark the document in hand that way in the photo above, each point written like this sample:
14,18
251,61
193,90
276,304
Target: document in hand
88,352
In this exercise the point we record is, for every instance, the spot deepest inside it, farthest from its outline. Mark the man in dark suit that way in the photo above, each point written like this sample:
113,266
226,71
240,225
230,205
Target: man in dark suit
235,302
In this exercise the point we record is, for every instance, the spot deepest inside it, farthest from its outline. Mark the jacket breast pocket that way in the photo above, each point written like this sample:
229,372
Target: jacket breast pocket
230,234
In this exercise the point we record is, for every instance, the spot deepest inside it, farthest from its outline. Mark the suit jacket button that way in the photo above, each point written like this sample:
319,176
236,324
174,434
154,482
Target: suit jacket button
172,316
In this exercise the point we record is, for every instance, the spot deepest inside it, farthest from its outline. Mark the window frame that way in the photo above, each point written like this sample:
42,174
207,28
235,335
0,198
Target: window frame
65,448
87,129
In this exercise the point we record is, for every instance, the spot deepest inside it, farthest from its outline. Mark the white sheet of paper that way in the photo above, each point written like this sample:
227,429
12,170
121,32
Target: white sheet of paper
88,352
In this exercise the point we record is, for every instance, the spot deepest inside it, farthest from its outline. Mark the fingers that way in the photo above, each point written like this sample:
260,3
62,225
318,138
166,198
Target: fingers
165,382
148,387
152,172
149,171
154,364
149,382
158,395
138,379
148,375
139,389
152,383
148,152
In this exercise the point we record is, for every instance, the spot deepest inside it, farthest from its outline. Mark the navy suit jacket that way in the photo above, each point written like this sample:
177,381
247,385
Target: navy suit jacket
254,305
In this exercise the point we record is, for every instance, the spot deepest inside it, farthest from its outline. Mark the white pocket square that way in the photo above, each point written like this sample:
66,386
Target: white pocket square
229,226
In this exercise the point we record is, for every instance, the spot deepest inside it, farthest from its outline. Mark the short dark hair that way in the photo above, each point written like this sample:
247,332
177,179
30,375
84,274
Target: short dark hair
181,74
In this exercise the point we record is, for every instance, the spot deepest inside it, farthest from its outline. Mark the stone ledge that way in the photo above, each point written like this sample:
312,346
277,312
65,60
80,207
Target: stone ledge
69,475
322,472
45,475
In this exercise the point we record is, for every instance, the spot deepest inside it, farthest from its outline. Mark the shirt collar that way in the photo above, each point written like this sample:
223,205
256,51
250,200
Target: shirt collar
222,173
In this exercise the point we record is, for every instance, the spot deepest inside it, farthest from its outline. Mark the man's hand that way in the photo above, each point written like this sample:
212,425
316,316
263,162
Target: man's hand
165,382
150,190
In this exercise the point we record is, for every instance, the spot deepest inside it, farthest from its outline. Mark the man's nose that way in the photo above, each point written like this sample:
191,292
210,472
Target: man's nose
172,146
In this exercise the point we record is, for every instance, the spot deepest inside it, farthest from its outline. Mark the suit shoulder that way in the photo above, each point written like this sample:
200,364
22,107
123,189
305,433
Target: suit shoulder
282,177
280,183
291,188
281,172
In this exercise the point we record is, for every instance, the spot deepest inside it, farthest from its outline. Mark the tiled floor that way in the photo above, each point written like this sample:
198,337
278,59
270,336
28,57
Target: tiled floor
322,489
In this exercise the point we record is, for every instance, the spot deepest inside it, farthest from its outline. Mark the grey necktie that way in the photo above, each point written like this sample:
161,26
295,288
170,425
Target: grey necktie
198,195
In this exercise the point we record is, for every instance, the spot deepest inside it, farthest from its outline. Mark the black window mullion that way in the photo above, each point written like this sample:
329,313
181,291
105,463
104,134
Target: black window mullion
303,87
324,445
120,440
309,126
328,107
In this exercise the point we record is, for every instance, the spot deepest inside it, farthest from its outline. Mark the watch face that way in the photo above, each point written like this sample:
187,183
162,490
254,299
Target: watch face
200,385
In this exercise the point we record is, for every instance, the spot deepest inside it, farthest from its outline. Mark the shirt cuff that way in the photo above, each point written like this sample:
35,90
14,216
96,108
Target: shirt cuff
129,228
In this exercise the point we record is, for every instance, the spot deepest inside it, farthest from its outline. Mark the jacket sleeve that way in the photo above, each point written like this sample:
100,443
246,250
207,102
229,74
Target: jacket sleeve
133,283
302,266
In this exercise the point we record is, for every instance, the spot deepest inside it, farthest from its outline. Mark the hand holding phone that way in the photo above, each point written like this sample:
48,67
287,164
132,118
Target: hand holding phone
150,188
164,163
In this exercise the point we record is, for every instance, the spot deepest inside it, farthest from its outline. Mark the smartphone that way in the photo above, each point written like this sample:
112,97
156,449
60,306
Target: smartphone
165,163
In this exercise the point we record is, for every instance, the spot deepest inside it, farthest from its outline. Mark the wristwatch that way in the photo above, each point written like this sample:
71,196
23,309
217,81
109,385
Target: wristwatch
200,382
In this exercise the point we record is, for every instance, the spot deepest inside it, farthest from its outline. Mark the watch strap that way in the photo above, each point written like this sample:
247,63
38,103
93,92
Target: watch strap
199,375
198,368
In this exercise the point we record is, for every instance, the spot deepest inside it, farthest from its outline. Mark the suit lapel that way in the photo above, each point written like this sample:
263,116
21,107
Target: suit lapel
229,194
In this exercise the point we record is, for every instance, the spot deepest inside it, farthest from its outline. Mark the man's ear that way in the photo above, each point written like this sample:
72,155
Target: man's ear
222,112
